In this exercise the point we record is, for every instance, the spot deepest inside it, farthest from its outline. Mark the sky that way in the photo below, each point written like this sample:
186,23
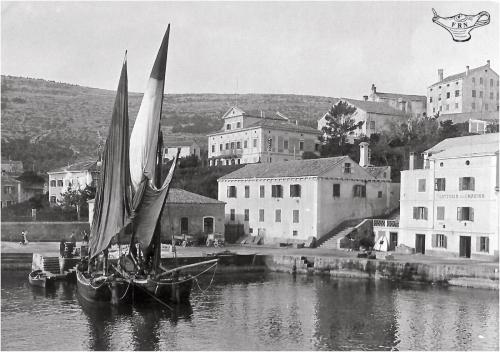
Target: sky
334,49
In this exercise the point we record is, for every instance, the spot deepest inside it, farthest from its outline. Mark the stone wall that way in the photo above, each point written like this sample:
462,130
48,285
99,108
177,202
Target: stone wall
41,231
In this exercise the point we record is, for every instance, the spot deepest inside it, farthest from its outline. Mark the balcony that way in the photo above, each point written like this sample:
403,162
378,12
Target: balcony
385,223
232,153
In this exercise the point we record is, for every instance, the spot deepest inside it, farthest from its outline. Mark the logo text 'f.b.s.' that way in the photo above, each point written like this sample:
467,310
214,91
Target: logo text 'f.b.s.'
461,25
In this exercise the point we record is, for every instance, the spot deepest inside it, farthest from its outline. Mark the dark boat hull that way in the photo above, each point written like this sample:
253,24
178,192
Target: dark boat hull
166,290
115,290
39,279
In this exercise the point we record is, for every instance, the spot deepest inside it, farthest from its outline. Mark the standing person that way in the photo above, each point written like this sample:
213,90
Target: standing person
24,239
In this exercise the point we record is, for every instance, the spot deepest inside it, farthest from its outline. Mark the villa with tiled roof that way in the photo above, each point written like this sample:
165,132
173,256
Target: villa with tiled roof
246,138
415,105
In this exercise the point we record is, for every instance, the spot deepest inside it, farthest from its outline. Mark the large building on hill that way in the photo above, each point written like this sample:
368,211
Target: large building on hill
248,138
375,117
295,201
76,176
474,90
186,147
450,207
415,105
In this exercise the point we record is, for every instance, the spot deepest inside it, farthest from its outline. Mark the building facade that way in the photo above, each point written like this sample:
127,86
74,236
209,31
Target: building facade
415,105
11,191
187,148
296,201
474,90
12,167
450,207
75,176
375,117
246,139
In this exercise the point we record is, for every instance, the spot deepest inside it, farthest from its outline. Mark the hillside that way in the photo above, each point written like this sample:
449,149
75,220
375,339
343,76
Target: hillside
49,124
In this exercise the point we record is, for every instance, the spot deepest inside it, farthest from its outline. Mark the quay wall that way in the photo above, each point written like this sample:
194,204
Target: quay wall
475,275
43,231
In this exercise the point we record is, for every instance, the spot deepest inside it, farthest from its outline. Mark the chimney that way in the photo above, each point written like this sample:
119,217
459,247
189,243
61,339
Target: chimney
374,89
364,154
488,63
365,97
467,70
440,74
412,161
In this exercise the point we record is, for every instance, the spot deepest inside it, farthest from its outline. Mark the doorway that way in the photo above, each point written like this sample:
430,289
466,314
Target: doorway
393,241
464,246
208,225
184,226
420,243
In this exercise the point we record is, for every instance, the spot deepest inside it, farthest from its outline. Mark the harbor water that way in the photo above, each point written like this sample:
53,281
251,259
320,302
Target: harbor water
268,311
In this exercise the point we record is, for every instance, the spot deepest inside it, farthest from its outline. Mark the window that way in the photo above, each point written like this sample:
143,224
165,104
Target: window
473,93
474,80
227,146
238,145
250,230
491,95
433,109
456,105
213,148
430,100
247,214
336,190
295,233
285,144
294,190
245,144
232,215
316,147
261,215
255,143
220,147
465,214
420,213
439,97
447,95
277,191
473,106
440,184
484,244
480,94
59,183
52,183
231,191
301,145
347,168
480,80
466,184
440,213
53,199
262,191
379,194
439,241
8,189
359,191
247,191
491,82
238,124
295,216
447,107
457,93
232,145
228,126
277,216
372,125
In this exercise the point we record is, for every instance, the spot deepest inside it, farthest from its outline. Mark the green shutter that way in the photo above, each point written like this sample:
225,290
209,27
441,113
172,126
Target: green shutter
472,184
487,244
434,240
445,242
415,212
459,214
478,244
460,184
471,214
425,213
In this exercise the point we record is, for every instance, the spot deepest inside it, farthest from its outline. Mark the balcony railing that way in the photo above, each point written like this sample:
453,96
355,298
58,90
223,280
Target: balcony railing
232,152
385,223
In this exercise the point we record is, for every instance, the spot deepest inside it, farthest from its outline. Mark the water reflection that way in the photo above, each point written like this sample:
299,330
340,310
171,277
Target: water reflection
256,312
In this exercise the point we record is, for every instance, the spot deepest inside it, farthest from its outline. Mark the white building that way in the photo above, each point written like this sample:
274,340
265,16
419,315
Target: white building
376,117
474,90
76,176
294,201
246,139
450,208
187,148
415,105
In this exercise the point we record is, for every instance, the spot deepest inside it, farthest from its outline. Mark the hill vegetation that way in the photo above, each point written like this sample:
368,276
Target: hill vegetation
49,124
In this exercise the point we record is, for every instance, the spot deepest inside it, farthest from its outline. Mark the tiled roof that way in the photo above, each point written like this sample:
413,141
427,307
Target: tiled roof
375,107
282,125
294,168
378,171
180,196
395,96
461,75
483,144
90,165
9,180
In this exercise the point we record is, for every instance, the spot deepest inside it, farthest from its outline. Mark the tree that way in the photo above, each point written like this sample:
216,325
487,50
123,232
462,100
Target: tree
77,199
339,124
309,155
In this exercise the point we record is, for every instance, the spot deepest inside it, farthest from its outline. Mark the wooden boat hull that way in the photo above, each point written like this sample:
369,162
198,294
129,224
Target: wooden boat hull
115,290
39,278
166,290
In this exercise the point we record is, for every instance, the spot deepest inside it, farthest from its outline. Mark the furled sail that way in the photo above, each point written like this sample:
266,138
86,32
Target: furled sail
149,197
113,208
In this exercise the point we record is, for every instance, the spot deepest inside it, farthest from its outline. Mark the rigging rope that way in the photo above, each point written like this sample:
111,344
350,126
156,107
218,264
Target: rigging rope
210,284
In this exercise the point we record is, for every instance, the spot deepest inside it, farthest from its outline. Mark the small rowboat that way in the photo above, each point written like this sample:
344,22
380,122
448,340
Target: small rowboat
40,278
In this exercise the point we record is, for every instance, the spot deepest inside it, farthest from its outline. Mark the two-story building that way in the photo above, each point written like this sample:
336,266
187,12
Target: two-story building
246,139
450,207
415,105
75,176
186,147
375,117
12,167
474,90
296,201
11,191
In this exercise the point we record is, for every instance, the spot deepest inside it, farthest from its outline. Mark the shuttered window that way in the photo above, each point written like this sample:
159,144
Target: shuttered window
231,191
420,213
465,214
277,215
336,190
483,244
295,216
421,185
261,215
247,191
232,215
439,241
247,214
440,213
295,191
359,191
440,184
466,184
277,191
